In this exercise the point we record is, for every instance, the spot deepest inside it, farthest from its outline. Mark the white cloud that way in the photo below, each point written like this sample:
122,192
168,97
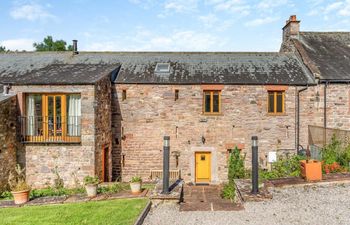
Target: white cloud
31,12
209,20
337,8
18,44
269,4
345,10
236,6
181,6
146,4
261,21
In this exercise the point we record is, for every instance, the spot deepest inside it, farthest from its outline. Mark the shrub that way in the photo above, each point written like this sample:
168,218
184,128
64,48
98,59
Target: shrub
114,188
236,166
58,181
6,195
17,180
335,157
344,157
89,180
37,193
283,167
229,191
136,179
332,151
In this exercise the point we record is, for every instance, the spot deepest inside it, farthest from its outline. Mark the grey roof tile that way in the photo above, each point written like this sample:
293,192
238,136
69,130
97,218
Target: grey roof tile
330,52
186,67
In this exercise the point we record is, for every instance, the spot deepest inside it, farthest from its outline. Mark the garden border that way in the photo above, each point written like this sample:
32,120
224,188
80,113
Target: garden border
144,214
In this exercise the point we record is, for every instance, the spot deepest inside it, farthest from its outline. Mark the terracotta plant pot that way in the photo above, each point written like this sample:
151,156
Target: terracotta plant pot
20,197
135,187
311,170
91,190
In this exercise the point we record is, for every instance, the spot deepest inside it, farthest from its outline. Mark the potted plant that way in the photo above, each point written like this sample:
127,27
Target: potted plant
19,188
311,169
135,184
91,185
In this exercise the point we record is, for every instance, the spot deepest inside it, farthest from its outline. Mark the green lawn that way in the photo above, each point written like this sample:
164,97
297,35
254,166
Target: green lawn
114,212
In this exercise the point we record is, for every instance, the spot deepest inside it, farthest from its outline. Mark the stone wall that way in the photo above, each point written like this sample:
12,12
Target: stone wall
312,108
103,125
8,139
150,112
116,135
73,161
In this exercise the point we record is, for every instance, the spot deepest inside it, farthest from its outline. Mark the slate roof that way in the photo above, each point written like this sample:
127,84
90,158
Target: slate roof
138,67
329,53
62,74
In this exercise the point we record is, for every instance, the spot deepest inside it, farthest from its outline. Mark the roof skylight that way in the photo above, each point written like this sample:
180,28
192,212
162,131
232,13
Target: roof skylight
162,68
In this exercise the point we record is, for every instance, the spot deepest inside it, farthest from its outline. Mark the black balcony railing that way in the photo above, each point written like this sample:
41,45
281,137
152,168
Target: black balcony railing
50,129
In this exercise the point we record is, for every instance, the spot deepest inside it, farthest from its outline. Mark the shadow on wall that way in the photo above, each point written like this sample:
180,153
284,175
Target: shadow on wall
11,150
117,158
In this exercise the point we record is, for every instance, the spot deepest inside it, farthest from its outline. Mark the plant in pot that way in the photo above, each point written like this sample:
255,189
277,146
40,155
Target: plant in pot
19,188
135,184
91,185
311,169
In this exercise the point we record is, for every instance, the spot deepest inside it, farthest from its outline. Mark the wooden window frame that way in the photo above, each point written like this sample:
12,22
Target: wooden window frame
45,137
275,92
211,102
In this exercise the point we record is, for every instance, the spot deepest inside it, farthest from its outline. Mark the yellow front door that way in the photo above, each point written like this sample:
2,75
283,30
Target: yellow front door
203,169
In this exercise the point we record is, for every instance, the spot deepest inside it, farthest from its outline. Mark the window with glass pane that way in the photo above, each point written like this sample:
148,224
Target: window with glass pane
212,102
279,103
216,102
275,102
34,119
271,102
52,118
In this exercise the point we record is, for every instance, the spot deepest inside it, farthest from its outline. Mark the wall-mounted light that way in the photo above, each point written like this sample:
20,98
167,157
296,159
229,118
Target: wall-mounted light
203,140
176,154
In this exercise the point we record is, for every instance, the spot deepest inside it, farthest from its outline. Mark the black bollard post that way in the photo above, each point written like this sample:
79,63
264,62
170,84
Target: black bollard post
255,166
166,149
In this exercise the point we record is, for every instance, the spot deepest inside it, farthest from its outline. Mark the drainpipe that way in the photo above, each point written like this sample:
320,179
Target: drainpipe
298,117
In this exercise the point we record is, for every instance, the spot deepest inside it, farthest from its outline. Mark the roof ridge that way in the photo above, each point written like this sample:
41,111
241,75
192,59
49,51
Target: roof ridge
326,32
143,52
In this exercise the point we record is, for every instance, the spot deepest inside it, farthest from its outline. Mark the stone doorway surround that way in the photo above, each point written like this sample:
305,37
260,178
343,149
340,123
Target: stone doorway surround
214,163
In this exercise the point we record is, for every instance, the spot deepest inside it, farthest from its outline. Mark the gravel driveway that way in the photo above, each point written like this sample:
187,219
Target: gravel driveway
329,204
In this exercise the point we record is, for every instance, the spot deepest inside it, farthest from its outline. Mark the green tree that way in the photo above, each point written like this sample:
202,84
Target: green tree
2,49
50,45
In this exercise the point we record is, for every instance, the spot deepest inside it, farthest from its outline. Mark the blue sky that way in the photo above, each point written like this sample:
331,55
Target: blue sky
168,25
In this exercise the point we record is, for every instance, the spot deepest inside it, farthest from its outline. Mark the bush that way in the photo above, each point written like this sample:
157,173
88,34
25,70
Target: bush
136,179
335,157
17,180
37,193
283,167
6,195
236,166
88,180
331,152
114,188
229,191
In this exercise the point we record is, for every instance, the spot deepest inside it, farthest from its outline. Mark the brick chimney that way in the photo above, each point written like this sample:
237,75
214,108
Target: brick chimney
292,28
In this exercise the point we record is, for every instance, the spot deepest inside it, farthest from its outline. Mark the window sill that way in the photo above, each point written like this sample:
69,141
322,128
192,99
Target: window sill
212,114
276,114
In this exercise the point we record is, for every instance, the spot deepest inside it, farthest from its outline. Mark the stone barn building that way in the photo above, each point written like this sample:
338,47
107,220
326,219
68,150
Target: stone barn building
105,114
